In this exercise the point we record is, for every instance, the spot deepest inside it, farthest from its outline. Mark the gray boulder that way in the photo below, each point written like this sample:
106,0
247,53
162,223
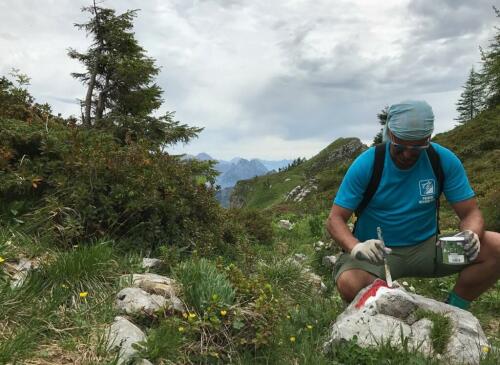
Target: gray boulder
390,316
158,285
122,335
329,261
137,301
285,224
18,271
150,263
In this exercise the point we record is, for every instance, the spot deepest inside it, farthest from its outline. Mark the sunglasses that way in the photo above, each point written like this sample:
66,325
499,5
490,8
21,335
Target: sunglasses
401,147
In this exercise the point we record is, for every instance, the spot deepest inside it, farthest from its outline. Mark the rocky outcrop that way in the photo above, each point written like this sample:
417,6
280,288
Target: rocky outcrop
122,336
149,293
138,301
298,193
339,151
146,294
379,315
18,271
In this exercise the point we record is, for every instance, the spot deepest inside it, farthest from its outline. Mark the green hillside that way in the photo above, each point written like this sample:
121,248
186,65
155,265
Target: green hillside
324,171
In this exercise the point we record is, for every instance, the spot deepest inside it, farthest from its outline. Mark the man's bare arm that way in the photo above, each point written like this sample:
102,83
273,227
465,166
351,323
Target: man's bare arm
470,216
338,229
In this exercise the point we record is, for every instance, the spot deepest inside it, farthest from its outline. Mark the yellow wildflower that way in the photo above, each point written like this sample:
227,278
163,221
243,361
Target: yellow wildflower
181,329
287,316
83,294
191,316
292,338
309,327
223,312
1,259
184,314
485,349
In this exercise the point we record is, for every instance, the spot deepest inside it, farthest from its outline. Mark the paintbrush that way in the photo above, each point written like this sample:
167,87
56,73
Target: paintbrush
388,277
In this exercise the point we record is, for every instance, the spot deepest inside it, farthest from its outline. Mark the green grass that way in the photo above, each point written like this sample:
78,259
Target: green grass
48,308
201,282
441,329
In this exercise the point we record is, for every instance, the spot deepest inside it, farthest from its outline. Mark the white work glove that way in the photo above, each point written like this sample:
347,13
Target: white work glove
372,251
471,245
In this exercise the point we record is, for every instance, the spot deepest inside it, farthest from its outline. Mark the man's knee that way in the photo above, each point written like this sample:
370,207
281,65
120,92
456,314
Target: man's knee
350,282
490,246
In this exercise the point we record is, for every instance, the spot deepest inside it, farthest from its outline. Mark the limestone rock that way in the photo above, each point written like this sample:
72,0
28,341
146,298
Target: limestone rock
18,271
389,315
122,335
158,285
152,283
285,224
316,281
300,257
298,193
329,261
137,301
150,263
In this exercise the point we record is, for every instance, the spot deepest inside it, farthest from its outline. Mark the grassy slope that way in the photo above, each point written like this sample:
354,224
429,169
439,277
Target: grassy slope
477,144
55,326
326,169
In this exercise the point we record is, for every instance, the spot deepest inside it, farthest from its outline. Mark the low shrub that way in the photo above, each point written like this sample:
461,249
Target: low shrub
71,184
257,225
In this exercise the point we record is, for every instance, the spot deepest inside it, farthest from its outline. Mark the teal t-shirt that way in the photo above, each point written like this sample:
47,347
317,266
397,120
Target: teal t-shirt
404,205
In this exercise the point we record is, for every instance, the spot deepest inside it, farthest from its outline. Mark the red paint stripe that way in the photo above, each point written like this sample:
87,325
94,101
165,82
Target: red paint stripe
371,292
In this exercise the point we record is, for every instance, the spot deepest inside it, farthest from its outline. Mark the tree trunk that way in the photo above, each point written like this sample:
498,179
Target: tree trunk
101,101
88,99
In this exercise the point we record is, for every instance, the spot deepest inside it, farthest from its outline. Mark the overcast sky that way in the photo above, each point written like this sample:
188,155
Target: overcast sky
267,79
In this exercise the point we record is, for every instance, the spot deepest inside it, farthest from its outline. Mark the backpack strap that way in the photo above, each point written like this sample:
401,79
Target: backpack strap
437,168
378,167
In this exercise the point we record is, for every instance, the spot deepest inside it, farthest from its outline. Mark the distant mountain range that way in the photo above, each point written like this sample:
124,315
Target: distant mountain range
239,168
230,172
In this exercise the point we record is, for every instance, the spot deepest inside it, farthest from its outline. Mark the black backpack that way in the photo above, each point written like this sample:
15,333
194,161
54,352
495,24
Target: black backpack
378,168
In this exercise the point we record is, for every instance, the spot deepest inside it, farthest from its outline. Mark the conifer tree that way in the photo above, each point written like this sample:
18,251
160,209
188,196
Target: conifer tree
490,75
472,98
382,119
119,77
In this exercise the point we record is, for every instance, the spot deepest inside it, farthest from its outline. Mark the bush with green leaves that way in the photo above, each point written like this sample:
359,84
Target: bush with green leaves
73,184
256,224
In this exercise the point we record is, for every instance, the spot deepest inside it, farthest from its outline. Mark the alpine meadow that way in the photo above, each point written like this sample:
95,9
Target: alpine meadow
115,250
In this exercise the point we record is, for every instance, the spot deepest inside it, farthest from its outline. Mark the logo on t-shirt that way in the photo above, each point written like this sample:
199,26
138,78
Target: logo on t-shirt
426,187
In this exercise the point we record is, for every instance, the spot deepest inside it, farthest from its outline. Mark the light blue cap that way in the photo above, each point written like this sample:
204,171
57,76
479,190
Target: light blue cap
409,120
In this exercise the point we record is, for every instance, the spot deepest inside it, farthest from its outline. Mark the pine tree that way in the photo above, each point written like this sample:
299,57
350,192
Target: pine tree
119,76
382,119
472,98
490,75
121,93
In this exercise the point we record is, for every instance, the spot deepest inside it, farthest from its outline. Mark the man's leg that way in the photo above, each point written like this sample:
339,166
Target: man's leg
350,282
484,272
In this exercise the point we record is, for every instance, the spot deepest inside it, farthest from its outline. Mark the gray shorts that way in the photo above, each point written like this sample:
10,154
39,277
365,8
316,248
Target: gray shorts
421,260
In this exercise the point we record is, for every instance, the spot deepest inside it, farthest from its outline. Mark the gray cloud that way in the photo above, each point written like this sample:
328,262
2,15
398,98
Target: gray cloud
449,18
267,79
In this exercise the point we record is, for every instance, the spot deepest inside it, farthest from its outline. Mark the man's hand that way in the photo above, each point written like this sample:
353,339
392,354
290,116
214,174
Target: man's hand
372,251
471,244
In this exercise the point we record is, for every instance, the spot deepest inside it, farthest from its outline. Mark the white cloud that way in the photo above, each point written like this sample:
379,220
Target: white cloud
269,79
